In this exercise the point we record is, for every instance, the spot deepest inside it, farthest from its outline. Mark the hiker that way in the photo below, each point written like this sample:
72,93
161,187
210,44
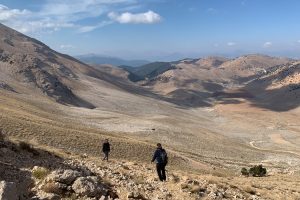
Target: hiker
161,158
106,149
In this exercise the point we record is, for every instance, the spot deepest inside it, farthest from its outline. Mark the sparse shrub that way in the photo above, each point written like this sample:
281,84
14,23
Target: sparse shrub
27,147
257,171
245,172
51,187
40,173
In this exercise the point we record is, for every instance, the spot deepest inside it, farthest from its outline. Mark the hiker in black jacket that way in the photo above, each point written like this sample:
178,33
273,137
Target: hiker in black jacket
161,158
106,149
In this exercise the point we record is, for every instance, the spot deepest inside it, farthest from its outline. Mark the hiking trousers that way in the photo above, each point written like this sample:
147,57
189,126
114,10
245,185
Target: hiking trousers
161,171
106,153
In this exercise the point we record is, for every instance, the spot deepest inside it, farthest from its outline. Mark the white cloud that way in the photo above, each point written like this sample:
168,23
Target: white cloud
267,44
55,15
231,44
85,29
67,46
9,14
149,17
298,41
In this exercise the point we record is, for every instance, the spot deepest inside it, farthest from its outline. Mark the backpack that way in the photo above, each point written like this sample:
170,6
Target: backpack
164,157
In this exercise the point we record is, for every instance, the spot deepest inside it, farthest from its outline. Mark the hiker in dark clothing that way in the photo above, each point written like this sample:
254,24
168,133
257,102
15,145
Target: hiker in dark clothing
161,158
106,149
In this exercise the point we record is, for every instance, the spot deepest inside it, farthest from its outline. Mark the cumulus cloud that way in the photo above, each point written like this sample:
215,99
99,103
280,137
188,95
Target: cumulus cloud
8,14
267,44
231,44
55,15
149,17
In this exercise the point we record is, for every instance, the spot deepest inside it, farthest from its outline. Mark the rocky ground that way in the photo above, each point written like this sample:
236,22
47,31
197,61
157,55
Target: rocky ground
34,173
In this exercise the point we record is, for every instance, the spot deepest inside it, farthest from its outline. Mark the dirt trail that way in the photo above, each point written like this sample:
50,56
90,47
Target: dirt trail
252,144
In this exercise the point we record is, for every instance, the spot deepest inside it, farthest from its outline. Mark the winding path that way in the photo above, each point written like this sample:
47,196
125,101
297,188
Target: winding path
252,144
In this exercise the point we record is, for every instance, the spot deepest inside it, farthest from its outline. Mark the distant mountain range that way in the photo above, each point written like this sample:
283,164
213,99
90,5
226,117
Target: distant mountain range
147,71
102,59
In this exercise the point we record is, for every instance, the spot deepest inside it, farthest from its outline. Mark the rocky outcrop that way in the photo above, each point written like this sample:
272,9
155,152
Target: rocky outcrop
72,183
88,186
64,176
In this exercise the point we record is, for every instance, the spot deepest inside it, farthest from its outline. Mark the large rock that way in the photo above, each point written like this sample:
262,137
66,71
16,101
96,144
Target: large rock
64,176
87,186
8,191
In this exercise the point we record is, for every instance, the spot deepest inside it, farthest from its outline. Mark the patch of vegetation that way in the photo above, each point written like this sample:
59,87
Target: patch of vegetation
245,172
52,188
256,171
40,173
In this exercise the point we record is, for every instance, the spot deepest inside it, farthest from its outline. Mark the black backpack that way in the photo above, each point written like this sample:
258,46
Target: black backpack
164,157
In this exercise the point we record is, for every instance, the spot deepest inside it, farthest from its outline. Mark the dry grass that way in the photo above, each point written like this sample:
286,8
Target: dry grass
40,173
52,188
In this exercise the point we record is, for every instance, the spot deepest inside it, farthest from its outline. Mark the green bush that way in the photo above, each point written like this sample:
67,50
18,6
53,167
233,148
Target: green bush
245,172
257,171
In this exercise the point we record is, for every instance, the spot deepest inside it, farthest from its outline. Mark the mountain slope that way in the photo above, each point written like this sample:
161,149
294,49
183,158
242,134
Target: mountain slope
194,82
147,71
27,64
278,89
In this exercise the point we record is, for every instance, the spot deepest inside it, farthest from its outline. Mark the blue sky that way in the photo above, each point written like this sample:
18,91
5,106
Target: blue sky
159,29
